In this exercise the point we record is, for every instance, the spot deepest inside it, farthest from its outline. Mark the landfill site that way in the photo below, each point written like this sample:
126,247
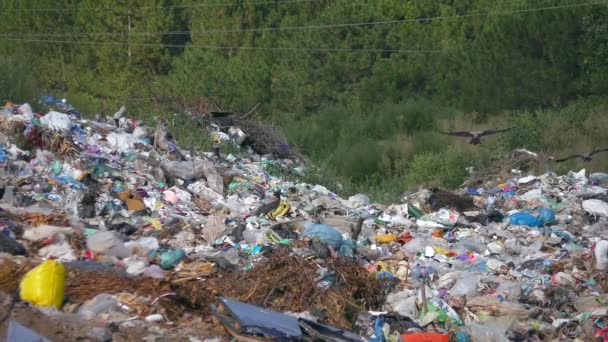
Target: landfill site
112,232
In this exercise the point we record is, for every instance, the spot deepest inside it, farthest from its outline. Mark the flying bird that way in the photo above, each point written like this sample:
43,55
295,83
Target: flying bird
587,157
475,136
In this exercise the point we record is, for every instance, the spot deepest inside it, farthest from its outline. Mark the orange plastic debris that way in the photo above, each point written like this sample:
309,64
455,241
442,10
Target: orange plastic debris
425,337
438,233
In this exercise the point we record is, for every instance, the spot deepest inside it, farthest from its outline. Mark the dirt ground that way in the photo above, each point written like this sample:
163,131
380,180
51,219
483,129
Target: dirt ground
59,330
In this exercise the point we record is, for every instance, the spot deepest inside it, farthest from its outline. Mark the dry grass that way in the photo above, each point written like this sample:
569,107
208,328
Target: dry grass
288,283
36,219
60,144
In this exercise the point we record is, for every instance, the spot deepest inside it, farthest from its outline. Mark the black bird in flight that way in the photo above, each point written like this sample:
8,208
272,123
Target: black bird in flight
585,156
475,136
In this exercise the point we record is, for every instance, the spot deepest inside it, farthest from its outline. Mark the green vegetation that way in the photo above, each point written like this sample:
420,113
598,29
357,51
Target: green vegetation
368,119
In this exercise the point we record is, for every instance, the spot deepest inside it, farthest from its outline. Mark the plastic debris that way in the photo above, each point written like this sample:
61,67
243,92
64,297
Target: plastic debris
44,285
596,207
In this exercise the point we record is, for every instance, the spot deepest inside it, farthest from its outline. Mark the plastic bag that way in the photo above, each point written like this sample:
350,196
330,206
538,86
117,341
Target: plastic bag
121,142
601,255
44,285
237,135
101,303
327,234
466,285
358,200
547,216
481,333
596,207
396,214
510,290
10,245
525,219
168,258
107,242
56,121
441,219
26,110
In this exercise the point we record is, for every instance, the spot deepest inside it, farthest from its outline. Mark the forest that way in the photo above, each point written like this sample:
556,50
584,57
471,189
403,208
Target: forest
360,87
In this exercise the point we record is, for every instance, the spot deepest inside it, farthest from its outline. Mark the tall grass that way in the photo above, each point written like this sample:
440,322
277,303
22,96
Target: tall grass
383,149
16,82
390,148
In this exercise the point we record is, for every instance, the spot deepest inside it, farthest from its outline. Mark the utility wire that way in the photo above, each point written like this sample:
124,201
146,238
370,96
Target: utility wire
313,27
160,7
211,47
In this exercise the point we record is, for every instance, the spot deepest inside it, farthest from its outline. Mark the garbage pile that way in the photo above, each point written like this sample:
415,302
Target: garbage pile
111,231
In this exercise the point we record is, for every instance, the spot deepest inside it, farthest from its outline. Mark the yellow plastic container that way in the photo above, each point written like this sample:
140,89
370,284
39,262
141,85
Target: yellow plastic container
44,285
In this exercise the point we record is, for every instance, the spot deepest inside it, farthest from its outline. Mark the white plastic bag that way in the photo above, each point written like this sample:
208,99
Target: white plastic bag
56,121
106,242
194,170
601,255
596,207
121,142
26,111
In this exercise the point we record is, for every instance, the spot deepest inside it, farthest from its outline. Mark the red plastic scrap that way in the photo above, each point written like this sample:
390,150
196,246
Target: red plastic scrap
425,337
405,238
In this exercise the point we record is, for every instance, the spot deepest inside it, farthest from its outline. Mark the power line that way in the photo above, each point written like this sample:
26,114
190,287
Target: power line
313,27
159,7
211,47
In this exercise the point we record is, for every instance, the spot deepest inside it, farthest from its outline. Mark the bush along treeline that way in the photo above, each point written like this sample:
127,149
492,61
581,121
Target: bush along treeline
359,86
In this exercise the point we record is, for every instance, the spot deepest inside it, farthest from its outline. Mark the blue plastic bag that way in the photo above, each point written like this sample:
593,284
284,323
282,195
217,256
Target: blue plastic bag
525,219
547,216
508,194
347,248
70,181
168,258
327,234
473,192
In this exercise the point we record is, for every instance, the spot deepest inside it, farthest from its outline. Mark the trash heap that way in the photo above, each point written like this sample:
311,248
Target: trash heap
111,231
